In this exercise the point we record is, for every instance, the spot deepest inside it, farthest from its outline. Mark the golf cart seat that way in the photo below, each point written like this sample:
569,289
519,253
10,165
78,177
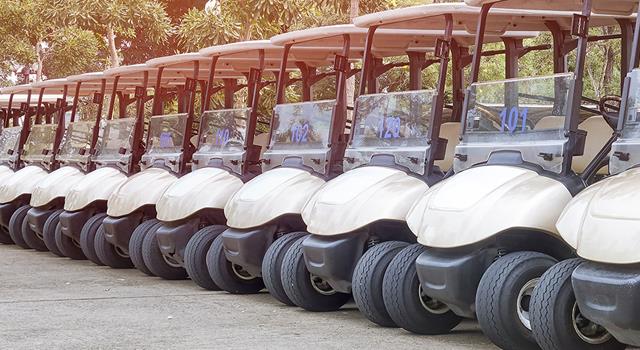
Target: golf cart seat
550,122
449,131
598,133
262,140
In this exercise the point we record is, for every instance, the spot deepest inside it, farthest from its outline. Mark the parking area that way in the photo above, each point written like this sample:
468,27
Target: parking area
54,303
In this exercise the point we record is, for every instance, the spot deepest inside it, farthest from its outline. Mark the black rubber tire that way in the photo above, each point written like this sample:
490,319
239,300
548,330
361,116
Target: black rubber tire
135,244
107,252
88,237
497,298
368,277
5,237
68,247
195,256
551,312
400,291
272,265
296,281
49,233
155,261
221,272
15,226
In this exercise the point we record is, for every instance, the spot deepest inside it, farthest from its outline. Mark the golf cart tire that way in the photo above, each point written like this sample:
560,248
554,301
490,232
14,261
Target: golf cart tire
135,244
88,237
5,237
400,291
497,298
368,278
195,256
222,273
551,311
154,259
272,265
296,281
15,226
67,246
31,238
49,233
106,252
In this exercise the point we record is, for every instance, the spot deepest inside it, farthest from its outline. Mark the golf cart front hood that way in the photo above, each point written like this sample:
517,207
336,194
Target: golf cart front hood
21,182
481,202
55,185
603,222
97,185
141,189
5,172
360,197
270,195
200,189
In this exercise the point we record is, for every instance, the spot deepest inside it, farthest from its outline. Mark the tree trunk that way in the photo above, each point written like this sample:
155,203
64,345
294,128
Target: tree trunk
351,82
113,52
40,60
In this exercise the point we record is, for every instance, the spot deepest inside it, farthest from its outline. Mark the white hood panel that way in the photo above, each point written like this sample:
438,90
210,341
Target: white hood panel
144,188
97,185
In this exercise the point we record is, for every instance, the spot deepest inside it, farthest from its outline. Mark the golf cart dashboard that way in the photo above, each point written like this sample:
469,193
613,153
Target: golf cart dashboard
527,115
301,131
115,145
223,137
76,145
625,152
165,142
395,125
38,149
9,142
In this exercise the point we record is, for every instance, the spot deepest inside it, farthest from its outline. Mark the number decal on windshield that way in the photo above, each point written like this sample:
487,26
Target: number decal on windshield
509,121
222,136
389,128
299,133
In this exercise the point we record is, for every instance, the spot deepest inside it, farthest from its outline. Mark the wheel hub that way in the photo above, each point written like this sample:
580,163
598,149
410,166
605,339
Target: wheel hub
432,305
171,261
589,332
524,301
321,286
241,273
121,252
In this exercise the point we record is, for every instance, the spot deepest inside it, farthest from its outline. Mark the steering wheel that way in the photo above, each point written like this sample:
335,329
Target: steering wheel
609,106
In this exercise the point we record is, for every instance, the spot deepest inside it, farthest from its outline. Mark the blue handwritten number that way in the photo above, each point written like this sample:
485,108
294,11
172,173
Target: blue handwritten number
300,133
390,129
222,136
511,123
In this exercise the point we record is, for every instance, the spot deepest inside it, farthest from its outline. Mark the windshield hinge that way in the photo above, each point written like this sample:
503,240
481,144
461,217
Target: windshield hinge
546,156
623,156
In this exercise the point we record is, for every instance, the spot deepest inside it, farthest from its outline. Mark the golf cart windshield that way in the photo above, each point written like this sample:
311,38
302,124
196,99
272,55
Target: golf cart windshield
77,142
525,115
223,131
166,134
302,130
392,123
39,145
9,139
626,149
116,140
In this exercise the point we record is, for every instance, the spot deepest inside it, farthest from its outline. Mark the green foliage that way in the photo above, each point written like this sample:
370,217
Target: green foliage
74,51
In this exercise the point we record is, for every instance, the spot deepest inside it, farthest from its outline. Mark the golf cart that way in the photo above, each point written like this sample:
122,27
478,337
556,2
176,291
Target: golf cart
11,132
528,145
307,142
227,156
35,157
131,206
591,302
115,158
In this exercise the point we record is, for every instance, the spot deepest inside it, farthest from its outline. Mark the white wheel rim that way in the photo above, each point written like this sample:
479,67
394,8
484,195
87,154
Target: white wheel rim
589,332
321,286
524,300
121,252
170,261
432,305
240,272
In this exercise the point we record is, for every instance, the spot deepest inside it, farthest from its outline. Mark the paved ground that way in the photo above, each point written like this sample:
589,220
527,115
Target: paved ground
54,303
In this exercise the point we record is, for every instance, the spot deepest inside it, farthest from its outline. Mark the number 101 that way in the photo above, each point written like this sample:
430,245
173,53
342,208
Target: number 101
510,121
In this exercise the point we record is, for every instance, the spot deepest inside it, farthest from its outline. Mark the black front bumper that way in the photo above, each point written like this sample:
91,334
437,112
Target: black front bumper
609,295
6,211
72,222
453,277
246,248
173,238
36,217
334,258
118,231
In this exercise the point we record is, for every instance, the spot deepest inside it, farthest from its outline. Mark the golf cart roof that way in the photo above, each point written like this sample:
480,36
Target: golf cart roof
178,67
15,89
241,56
19,99
466,17
617,7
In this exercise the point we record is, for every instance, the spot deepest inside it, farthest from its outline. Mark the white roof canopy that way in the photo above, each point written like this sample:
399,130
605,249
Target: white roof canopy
611,7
